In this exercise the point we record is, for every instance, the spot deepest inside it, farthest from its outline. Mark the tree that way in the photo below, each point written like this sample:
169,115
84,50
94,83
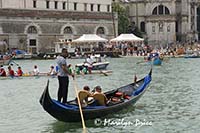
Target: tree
123,20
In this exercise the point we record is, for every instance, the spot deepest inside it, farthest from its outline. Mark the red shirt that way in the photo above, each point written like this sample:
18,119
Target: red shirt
11,73
2,72
19,72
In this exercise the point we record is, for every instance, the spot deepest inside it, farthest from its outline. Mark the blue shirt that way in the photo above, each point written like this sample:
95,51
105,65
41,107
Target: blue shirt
61,61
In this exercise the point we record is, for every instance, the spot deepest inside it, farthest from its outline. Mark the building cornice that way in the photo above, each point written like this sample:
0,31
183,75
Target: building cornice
55,14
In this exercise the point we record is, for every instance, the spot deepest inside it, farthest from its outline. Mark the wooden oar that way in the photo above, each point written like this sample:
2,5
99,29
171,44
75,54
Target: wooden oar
14,63
79,104
105,74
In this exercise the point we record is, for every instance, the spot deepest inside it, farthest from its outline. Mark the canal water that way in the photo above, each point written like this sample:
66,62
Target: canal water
171,103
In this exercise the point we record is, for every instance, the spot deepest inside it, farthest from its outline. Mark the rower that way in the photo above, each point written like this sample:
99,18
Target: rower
84,70
11,72
52,71
19,71
70,68
2,71
36,70
77,70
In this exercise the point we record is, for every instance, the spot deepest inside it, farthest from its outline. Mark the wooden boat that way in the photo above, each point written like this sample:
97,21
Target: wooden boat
69,112
104,72
30,74
26,75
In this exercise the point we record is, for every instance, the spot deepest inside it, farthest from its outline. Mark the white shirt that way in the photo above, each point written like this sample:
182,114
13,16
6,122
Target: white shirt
36,71
61,61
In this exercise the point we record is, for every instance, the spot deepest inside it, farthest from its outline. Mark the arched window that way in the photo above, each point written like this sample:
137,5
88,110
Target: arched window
142,26
100,30
166,10
155,11
32,30
160,10
68,30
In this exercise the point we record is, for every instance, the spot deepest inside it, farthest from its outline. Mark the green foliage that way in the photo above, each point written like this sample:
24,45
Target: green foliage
124,24
135,30
123,21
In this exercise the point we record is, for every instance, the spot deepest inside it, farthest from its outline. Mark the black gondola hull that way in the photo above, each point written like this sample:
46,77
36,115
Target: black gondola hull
67,113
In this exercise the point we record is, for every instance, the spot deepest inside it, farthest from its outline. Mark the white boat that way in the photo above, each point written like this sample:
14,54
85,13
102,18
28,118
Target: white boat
95,66
20,54
95,62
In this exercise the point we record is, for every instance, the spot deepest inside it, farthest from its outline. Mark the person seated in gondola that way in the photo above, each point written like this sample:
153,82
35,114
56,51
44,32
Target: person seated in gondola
100,97
84,95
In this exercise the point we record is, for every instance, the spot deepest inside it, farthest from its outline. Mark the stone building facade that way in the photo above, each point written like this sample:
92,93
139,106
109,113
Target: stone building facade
34,25
165,21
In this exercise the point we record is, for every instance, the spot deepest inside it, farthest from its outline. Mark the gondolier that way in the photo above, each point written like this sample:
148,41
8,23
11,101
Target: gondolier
63,78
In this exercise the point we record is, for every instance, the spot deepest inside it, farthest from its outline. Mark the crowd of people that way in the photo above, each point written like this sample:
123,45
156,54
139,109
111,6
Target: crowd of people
140,49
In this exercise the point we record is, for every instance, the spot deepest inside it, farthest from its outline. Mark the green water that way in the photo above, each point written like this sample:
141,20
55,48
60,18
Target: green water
171,104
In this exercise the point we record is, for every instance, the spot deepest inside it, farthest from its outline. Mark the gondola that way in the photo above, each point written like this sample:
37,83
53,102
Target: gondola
69,112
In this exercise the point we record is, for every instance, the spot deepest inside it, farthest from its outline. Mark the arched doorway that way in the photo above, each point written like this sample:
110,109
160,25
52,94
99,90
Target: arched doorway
32,38
68,32
100,31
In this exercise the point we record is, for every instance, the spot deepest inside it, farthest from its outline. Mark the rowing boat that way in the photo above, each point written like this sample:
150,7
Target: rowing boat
29,74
